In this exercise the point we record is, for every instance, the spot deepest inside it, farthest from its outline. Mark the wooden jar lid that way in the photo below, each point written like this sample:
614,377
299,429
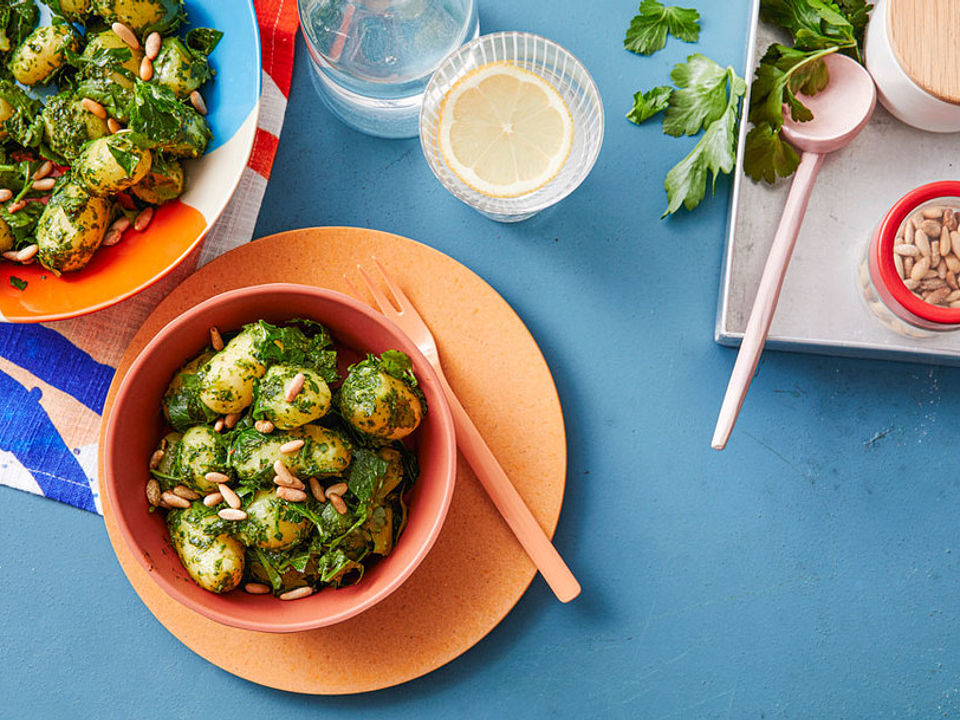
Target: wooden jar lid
924,36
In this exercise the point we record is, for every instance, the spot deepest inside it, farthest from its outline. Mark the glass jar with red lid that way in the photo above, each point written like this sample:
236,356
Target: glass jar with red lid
911,274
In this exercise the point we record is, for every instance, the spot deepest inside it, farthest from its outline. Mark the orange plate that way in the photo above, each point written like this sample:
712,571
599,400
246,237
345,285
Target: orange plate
477,571
114,274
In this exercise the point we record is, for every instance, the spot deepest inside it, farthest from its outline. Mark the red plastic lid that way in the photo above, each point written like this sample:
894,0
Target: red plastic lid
884,248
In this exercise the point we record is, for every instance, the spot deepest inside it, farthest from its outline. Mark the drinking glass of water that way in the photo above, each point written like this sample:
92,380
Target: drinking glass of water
372,59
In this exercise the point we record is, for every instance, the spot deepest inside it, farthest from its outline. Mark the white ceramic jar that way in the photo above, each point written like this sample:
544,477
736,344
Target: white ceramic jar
898,92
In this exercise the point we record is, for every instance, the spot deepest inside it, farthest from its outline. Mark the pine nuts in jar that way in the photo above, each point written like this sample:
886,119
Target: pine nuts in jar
913,261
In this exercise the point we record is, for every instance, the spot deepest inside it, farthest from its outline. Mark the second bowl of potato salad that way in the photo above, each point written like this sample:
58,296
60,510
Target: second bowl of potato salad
280,443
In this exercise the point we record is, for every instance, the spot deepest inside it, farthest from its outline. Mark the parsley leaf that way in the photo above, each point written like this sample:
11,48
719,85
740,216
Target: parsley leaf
367,472
700,97
818,28
18,283
18,18
766,156
716,152
649,27
647,104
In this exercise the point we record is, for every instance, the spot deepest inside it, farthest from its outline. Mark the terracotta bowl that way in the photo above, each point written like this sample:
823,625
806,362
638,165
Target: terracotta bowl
135,425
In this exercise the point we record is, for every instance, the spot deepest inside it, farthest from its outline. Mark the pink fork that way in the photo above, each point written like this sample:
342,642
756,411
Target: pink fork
475,451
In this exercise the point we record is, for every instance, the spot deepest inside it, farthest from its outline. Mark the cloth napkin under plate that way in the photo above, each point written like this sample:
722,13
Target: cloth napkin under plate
54,377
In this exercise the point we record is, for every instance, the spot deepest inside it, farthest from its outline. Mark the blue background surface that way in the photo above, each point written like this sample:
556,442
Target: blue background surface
809,571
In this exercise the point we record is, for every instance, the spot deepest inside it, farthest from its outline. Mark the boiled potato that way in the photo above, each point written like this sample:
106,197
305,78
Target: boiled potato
143,16
214,560
6,237
109,40
6,112
253,454
68,125
201,450
311,403
325,452
71,228
271,524
380,527
42,52
73,10
181,402
394,474
226,384
111,164
164,182
179,69
378,404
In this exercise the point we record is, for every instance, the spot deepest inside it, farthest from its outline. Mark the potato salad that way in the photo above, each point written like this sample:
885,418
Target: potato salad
277,473
97,111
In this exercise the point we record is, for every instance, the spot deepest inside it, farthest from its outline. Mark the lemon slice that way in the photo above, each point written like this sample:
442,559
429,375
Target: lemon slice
504,131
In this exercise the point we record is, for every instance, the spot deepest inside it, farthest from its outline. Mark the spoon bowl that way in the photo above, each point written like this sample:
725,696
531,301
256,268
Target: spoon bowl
840,111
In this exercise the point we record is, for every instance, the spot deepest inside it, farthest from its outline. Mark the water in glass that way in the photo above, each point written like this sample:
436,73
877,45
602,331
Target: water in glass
372,59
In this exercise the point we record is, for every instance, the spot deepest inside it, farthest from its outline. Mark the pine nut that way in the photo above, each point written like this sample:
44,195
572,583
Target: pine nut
216,340
231,419
95,108
231,498
291,494
153,492
113,126
43,170
288,482
213,499
218,425
16,207
337,489
155,459
112,238
186,493
28,253
143,219
217,477
911,284
922,242
300,592
288,448
288,478
232,514
920,268
126,34
146,69
944,241
294,388
264,426
931,228
196,99
906,250
338,504
121,224
7,194
152,45
44,184
898,263
317,489
174,500
256,589
10,255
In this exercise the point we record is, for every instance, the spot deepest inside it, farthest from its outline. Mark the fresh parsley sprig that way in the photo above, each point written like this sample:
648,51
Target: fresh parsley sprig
818,28
648,29
706,97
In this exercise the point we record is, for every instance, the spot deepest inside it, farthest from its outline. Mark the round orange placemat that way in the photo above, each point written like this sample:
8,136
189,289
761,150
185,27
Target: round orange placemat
477,570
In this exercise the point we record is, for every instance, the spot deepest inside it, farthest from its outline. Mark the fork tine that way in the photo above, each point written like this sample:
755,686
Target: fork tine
382,301
355,291
399,298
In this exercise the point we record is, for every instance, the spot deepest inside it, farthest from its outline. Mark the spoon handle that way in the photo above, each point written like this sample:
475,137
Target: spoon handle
765,304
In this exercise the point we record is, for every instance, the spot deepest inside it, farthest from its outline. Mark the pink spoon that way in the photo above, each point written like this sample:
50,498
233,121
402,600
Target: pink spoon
840,112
